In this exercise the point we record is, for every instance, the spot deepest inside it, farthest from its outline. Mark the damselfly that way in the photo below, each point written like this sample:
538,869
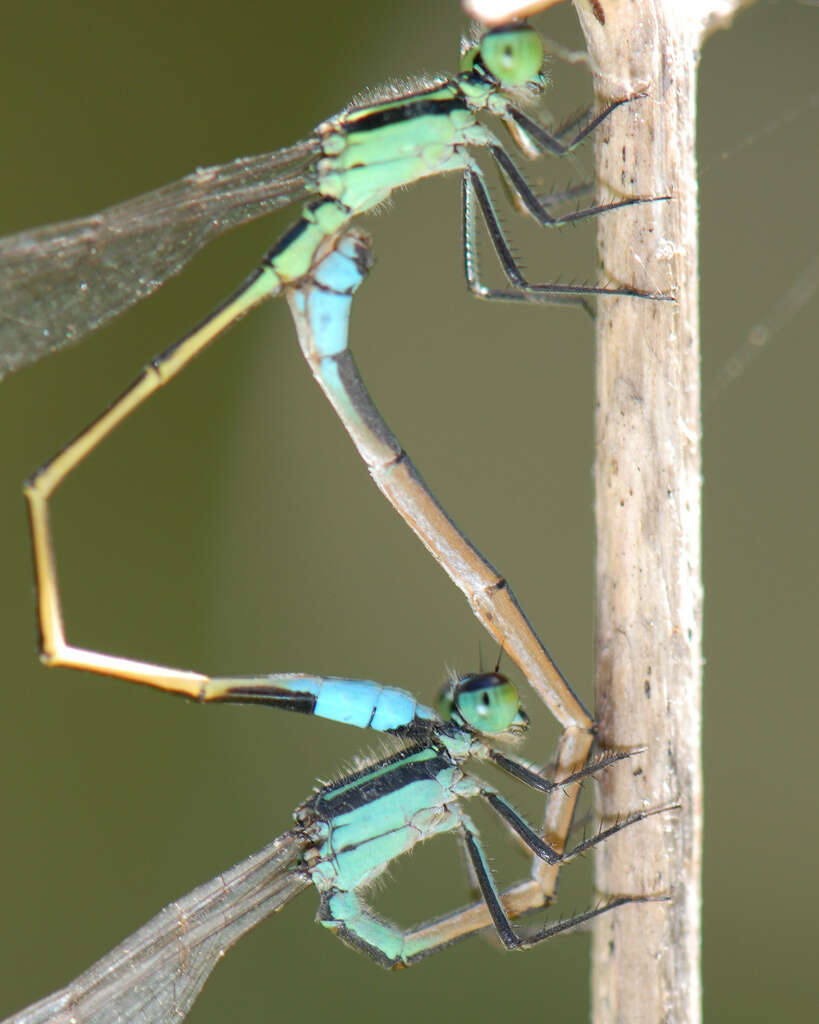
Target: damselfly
353,162
61,281
354,828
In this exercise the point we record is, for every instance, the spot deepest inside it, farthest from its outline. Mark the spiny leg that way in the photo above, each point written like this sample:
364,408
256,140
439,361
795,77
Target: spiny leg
524,773
498,910
475,190
549,200
533,139
519,827
542,849
538,208
532,894
344,910
390,945
508,936
539,139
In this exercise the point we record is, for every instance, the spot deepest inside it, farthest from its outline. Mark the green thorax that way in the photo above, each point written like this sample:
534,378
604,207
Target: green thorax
373,150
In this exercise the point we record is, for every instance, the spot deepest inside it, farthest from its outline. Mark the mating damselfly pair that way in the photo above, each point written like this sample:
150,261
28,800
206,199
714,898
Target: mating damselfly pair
351,164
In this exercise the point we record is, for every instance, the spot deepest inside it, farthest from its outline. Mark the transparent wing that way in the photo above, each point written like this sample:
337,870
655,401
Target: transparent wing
59,282
154,976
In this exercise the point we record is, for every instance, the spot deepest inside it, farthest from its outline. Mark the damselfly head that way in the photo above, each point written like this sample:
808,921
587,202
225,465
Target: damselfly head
487,702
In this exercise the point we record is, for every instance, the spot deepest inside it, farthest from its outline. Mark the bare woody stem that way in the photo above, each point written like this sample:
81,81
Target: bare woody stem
648,513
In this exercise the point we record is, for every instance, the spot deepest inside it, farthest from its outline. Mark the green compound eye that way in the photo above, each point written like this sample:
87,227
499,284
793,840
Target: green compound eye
487,702
512,53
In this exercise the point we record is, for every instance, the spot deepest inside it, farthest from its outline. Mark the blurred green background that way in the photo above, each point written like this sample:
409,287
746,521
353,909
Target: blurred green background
231,528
